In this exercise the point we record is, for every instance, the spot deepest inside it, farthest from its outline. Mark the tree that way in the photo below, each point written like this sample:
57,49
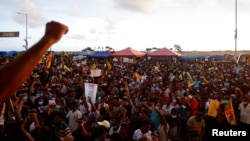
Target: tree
148,49
109,48
177,48
155,48
88,48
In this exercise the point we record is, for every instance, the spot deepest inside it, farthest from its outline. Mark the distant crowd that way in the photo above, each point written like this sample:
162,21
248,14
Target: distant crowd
151,99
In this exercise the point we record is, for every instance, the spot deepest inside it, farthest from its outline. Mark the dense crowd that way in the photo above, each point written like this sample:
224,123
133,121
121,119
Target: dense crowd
151,99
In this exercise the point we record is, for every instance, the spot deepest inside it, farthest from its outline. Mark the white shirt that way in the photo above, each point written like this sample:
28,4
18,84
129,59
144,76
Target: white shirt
138,134
163,132
167,92
244,113
167,109
83,109
64,89
111,130
73,117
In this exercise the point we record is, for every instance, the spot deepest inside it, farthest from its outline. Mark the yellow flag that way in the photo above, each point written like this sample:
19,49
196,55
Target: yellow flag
93,66
65,54
201,68
11,109
66,68
180,77
137,75
48,61
190,80
205,80
156,68
108,65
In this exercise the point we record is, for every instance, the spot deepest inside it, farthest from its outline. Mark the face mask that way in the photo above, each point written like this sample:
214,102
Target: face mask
184,106
24,98
173,116
245,103
190,96
80,101
40,103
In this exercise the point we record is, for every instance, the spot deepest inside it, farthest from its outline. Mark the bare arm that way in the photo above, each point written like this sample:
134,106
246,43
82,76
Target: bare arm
15,73
240,92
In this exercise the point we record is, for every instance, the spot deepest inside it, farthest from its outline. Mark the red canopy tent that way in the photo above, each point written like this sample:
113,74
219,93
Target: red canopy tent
163,52
127,52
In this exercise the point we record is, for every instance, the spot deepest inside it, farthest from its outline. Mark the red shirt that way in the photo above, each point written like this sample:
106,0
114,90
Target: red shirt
193,104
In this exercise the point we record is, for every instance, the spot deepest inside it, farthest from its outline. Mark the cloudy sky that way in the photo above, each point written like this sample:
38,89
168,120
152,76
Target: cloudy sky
201,25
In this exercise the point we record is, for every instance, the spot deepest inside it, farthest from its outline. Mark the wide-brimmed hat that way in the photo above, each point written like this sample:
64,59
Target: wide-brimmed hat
104,123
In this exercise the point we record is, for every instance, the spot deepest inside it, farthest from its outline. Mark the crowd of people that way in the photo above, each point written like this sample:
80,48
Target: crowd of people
151,99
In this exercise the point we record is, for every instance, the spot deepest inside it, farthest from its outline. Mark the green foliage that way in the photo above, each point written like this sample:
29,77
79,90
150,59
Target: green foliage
177,48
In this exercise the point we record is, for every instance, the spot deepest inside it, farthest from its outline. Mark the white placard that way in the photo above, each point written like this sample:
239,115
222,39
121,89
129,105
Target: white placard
95,72
90,91
52,102
125,60
128,60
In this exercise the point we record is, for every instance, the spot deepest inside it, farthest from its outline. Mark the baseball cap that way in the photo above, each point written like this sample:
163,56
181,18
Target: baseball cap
104,123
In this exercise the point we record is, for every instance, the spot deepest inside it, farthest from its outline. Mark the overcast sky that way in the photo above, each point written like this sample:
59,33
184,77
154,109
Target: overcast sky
201,25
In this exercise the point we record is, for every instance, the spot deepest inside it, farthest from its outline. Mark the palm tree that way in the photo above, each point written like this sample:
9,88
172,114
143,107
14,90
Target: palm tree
109,48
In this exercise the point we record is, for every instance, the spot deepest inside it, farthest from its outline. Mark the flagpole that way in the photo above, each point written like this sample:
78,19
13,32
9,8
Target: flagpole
236,32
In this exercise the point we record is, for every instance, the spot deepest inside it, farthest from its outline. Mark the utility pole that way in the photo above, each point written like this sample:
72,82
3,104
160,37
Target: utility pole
236,30
26,39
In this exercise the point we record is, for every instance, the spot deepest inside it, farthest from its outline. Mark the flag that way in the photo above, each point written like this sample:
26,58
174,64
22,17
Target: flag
190,80
42,61
201,68
108,65
66,68
205,80
180,77
48,61
156,68
2,114
221,76
137,75
65,54
93,66
11,110
229,113
7,61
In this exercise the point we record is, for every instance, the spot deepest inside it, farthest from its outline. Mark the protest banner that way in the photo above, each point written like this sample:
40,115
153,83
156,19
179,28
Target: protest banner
90,91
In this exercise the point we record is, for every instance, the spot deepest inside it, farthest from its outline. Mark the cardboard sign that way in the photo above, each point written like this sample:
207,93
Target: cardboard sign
95,72
90,91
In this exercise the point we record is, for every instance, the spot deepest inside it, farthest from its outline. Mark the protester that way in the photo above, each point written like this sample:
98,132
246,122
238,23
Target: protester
16,72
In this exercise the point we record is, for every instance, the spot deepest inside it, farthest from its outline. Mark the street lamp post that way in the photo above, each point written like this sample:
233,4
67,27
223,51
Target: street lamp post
236,30
26,40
